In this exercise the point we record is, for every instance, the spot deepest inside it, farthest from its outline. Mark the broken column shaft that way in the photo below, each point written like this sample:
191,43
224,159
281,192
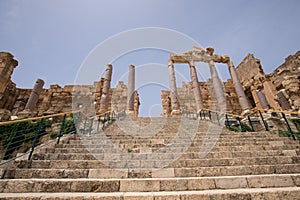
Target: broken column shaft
105,90
262,100
34,96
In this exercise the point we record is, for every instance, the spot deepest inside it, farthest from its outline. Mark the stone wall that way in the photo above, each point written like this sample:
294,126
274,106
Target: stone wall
286,79
73,97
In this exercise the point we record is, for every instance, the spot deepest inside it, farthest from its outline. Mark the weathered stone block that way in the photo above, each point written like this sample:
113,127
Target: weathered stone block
201,184
107,173
270,181
136,185
231,182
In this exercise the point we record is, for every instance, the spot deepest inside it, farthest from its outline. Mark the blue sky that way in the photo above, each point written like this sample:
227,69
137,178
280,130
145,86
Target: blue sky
52,39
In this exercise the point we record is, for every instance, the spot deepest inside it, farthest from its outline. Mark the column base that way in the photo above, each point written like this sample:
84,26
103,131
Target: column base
26,113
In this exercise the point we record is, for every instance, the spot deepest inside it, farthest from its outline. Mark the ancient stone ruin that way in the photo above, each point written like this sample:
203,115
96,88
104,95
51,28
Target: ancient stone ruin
90,99
83,156
248,88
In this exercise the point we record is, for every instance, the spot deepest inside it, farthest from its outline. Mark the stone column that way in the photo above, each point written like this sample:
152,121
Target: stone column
262,100
238,88
218,87
34,96
131,90
33,99
255,97
105,90
173,88
195,86
283,102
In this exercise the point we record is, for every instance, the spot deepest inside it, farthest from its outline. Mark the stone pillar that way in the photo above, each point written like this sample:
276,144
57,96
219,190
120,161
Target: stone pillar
255,97
195,86
173,92
218,87
131,90
239,88
105,90
262,100
34,96
284,103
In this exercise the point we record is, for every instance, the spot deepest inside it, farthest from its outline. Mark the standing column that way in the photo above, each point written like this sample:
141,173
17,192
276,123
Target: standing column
195,86
262,100
131,87
238,88
283,102
34,96
218,87
105,90
173,88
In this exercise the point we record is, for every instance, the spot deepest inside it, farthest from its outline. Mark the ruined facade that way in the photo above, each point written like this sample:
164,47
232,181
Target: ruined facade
56,99
279,90
248,88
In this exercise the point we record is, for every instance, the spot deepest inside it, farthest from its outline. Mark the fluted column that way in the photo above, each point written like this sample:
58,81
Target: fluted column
218,87
238,88
131,89
173,88
34,96
195,86
105,90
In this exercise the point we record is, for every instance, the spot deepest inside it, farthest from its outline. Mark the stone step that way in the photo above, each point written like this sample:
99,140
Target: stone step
82,149
148,184
148,172
291,193
161,155
258,135
98,164
191,144
104,141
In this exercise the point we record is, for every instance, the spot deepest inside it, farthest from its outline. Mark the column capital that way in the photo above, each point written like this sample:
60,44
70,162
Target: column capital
191,63
211,62
230,64
170,63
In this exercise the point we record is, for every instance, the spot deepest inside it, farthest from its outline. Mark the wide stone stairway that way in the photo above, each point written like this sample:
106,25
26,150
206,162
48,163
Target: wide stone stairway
156,159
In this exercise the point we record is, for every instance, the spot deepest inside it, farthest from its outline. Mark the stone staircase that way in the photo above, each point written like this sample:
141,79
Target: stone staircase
159,158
